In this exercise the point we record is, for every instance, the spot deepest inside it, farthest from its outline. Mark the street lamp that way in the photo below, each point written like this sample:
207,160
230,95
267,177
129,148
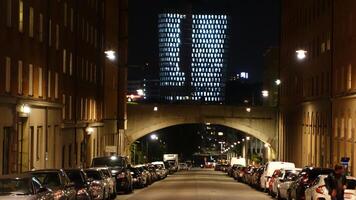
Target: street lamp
301,54
248,109
265,93
155,108
110,54
154,137
220,133
248,138
278,82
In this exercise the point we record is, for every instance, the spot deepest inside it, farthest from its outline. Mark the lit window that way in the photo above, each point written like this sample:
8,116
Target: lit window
20,16
30,25
30,80
19,77
7,74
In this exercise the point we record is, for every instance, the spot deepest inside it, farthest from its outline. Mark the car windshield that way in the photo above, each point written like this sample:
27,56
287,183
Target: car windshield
108,162
49,179
94,174
15,186
106,173
76,177
158,166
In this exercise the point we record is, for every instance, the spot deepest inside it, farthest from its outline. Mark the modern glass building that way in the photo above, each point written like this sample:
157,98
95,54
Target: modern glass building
193,57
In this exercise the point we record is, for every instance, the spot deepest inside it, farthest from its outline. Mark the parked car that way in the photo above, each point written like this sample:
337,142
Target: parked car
230,171
119,167
282,183
99,187
23,186
139,179
81,183
152,169
350,192
276,174
161,170
270,168
239,173
304,180
183,167
317,189
256,177
110,180
58,181
146,173
248,174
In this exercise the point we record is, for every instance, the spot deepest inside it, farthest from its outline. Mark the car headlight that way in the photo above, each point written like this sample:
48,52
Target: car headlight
58,194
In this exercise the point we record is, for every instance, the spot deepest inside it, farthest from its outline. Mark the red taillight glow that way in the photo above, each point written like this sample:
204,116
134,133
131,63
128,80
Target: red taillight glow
320,189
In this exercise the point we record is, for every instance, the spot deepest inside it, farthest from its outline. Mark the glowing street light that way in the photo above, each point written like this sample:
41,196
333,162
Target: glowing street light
110,54
248,138
301,54
265,93
154,137
140,92
155,108
248,109
220,133
89,130
278,81
267,145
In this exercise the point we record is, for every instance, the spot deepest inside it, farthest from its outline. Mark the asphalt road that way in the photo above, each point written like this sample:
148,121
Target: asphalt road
196,184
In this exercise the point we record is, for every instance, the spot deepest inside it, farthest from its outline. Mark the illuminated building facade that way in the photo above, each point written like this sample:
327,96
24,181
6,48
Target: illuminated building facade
193,57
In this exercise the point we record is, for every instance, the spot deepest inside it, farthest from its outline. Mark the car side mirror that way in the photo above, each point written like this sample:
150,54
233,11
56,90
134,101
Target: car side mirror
42,190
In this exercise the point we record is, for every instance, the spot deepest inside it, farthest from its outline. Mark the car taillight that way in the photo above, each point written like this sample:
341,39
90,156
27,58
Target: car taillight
58,195
320,189
121,175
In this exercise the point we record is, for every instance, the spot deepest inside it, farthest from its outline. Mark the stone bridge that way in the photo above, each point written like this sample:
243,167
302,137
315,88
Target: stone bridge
143,119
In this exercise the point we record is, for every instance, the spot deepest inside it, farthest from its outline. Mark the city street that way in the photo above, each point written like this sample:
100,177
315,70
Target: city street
197,184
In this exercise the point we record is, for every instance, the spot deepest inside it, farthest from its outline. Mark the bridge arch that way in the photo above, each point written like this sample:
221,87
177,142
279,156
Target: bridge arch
143,119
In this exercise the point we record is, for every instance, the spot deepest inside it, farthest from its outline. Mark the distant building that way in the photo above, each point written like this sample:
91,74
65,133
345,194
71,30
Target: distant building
193,52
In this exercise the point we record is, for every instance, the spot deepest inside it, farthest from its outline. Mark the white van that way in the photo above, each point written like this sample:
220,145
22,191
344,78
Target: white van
270,168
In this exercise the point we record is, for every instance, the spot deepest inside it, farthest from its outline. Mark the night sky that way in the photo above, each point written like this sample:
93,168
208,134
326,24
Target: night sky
254,26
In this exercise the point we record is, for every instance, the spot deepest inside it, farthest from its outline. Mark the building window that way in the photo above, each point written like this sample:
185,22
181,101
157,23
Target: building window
64,60
30,80
71,19
20,16
49,84
50,32
65,14
349,77
19,77
40,28
57,36
30,24
7,74
56,85
64,107
8,12
70,108
71,63
40,82
38,142
81,108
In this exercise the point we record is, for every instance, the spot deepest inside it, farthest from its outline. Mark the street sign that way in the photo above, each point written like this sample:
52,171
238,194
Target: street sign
345,160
